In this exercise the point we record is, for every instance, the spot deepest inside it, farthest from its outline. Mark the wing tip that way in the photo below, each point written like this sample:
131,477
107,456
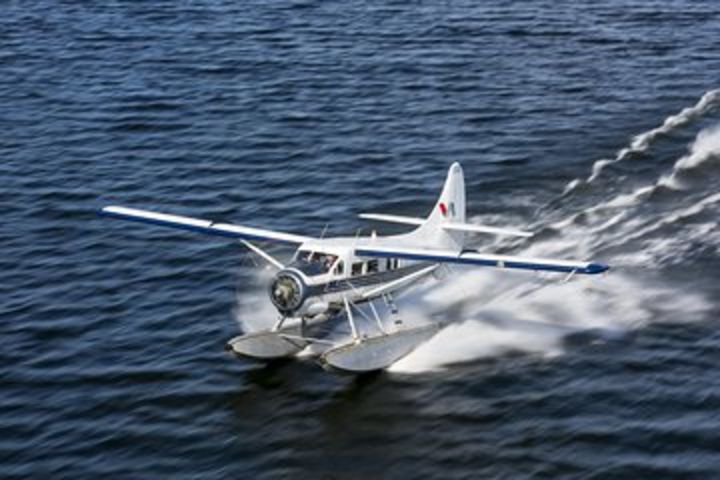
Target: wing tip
111,211
106,210
595,268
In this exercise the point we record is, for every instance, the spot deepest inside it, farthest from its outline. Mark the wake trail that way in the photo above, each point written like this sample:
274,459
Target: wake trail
492,312
640,143
621,219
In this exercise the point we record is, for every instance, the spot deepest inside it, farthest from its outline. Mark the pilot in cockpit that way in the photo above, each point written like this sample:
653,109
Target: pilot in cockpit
324,260
329,261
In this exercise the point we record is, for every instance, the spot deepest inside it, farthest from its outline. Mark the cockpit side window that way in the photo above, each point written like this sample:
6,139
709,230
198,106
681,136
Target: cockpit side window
339,268
391,264
316,262
373,266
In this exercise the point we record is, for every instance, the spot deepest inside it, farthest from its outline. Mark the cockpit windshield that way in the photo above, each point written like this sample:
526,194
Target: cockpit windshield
314,263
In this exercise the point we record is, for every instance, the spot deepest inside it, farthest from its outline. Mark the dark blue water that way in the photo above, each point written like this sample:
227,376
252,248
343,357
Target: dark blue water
594,124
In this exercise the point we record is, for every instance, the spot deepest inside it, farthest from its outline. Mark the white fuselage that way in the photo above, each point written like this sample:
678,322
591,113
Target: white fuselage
326,272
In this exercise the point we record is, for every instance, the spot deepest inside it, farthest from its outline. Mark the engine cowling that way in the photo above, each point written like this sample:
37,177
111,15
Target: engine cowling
287,292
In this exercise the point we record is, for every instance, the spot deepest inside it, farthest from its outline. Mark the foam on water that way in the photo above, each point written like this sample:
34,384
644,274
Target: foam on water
706,148
537,319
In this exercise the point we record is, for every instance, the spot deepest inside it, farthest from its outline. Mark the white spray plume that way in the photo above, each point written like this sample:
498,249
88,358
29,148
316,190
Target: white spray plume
254,311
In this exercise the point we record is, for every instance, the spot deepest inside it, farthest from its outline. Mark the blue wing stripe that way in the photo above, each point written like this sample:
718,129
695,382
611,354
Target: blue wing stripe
191,228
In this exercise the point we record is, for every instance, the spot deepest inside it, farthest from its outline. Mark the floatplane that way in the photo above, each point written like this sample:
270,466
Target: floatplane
331,278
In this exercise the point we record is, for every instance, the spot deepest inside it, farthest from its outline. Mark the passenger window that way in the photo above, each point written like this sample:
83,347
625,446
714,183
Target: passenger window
388,264
357,268
373,266
395,263
339,268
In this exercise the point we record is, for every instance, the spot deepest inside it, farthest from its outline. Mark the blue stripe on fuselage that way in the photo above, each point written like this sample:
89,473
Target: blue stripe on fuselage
591,269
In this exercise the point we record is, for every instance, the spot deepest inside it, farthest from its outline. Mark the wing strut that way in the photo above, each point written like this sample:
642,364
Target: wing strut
351,320
262,253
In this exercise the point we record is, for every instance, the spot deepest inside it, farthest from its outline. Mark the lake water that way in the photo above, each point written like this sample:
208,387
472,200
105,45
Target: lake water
594,124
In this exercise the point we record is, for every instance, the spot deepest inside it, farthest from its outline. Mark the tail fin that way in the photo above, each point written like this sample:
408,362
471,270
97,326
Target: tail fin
450,208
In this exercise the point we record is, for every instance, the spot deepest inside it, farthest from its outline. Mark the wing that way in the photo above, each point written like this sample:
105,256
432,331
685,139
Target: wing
473,257
202,226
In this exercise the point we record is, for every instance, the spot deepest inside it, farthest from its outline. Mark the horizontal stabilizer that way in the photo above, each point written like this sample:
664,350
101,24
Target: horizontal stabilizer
453,226
469,227
199,225
392,218
472,257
